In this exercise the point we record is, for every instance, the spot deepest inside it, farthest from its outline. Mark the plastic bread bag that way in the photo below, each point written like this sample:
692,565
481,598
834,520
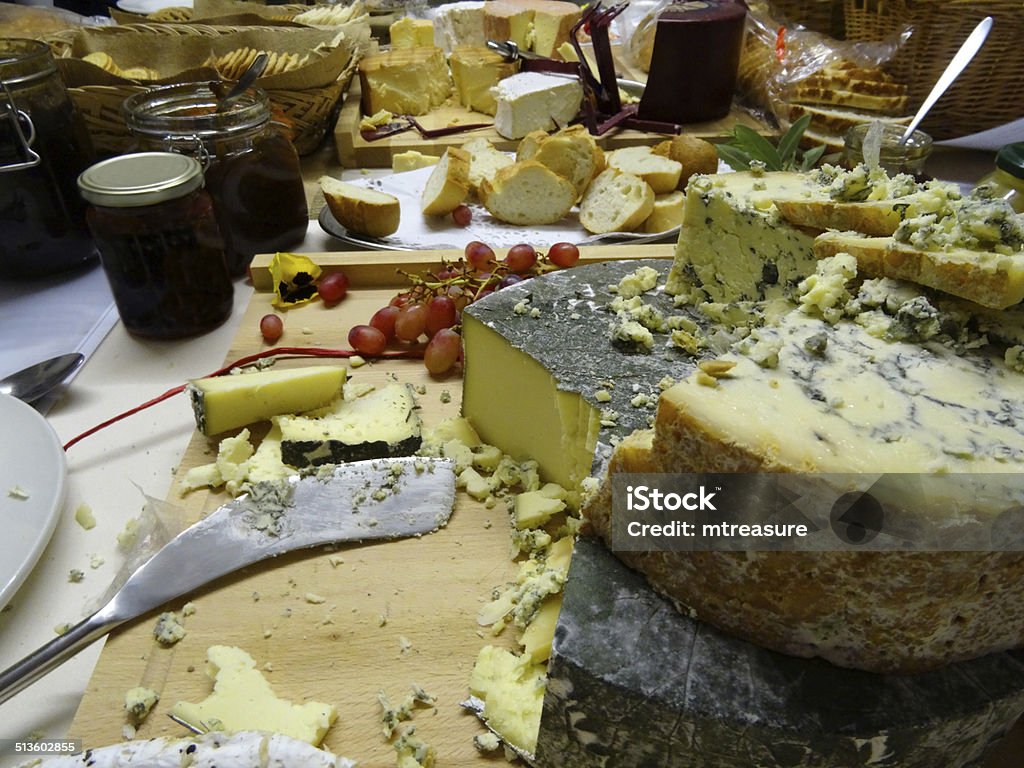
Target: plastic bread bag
776,57
635,27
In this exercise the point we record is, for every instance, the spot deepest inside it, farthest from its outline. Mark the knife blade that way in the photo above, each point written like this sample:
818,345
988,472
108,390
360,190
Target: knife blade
358,501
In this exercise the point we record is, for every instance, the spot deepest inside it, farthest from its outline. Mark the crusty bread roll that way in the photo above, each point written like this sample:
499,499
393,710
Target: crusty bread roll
528,192
616,202
662,173
448,184
667,213
484,161
361,210
693,154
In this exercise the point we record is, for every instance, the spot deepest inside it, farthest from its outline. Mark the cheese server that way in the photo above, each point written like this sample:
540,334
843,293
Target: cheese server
359,501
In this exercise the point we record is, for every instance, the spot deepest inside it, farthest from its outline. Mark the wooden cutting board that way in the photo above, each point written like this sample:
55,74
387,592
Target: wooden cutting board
394,613
356,152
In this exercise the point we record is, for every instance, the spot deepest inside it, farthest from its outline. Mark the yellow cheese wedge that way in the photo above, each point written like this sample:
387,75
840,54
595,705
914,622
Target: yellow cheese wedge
221,403
408,32
512,689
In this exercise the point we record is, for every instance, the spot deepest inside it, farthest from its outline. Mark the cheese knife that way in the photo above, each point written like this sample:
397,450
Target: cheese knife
358,501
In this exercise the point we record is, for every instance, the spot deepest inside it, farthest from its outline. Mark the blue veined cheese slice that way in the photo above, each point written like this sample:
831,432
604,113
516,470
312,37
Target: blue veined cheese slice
221,403
384,422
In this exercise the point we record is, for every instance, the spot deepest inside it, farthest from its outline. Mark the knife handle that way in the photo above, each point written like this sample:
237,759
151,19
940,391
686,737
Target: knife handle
19,676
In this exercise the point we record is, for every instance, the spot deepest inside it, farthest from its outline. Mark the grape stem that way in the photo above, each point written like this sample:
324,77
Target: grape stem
281,352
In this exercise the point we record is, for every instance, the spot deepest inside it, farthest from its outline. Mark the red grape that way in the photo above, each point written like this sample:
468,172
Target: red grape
484,293
333,287
479,255
271,327
564,255
366,340
411,322
508,280
400,300
384,321
521,258
462,215
442,352
441,313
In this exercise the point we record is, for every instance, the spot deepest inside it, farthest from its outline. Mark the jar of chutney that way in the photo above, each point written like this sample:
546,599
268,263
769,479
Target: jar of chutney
159,243
251,167
44,145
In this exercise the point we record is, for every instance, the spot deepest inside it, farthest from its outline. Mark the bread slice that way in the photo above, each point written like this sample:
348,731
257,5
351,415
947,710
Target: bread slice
816,94
991,279
573,154
448,184
361,210
530,144
693,154
667,213
616,202
484,161
836,121
661,173
528,192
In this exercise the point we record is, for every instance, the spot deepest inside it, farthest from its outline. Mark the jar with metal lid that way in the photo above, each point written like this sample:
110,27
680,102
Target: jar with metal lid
1006,182
159,243
43,147
251,167
860,145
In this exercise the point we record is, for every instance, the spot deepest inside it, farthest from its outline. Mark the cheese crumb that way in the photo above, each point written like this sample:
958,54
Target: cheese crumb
19,493
315,599
486,742
75,575
355,361
84,517
139,702
168,629
603,396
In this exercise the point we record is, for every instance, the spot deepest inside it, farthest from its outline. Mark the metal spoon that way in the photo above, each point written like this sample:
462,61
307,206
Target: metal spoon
250,76
956,65
37,380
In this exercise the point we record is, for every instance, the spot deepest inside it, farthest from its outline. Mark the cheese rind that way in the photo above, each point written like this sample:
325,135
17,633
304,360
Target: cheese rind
221,403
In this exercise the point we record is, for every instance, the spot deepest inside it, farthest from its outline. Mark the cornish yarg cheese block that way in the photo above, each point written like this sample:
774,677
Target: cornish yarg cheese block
634,681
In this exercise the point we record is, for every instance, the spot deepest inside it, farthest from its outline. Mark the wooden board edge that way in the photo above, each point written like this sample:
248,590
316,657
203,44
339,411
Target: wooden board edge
378,269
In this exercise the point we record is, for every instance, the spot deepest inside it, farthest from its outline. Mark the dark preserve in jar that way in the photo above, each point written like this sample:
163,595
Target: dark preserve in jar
159,243
43,148
251,167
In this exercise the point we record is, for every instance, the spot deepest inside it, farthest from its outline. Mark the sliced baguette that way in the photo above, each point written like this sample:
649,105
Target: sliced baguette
661,173
530,144
361,210
836,121
616,202
528,193
667,213
990,279
484,161
573,154
448,184
814,94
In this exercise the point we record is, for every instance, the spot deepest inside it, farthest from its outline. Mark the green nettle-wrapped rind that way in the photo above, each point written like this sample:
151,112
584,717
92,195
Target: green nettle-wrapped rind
634,681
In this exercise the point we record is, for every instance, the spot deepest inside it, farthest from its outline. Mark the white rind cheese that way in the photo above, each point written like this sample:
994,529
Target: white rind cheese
531,101
460,23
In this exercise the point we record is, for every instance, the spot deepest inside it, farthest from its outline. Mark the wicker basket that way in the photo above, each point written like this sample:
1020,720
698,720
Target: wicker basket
825,16
988,93
309,107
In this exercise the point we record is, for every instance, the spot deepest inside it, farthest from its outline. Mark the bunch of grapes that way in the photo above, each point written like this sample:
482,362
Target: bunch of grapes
431,308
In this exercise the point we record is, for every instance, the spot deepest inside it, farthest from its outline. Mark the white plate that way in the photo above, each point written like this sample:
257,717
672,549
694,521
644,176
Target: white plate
31,460
151,6
416,231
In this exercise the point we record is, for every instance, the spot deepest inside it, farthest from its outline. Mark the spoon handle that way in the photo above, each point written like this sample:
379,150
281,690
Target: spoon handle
956,65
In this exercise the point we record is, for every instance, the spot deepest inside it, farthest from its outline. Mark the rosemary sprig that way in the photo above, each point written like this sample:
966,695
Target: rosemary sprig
746,146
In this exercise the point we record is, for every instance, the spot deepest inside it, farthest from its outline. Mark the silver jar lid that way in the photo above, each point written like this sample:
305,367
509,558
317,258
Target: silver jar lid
143,178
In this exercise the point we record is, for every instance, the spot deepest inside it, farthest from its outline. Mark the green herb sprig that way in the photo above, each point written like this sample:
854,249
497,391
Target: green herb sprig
746,146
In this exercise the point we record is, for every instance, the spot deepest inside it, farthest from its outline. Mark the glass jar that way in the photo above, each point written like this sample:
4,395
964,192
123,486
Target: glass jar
43,147
159,243
892,156
1006,182
251,167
